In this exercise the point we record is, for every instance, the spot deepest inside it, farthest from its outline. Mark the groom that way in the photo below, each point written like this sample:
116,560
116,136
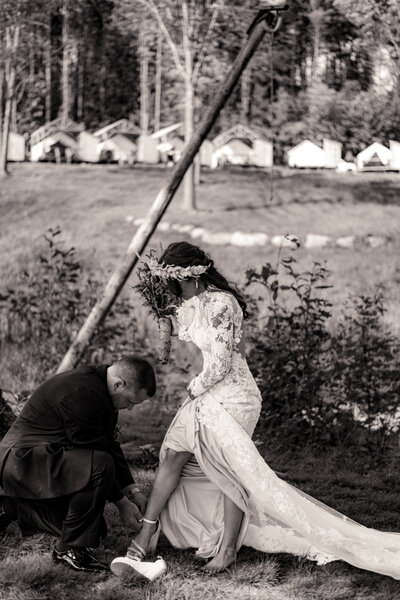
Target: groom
60,461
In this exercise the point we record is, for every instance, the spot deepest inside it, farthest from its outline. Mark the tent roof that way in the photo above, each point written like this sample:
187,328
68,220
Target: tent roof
165,130
382,151
238,131
305,144
49,128
123,126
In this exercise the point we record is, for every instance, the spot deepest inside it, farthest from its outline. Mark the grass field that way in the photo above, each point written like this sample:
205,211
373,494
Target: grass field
91,204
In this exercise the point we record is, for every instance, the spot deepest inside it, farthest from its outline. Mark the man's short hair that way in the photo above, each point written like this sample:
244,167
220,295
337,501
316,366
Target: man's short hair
135,370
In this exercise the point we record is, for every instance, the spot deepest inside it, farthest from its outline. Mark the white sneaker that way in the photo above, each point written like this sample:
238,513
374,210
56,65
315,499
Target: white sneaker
150,570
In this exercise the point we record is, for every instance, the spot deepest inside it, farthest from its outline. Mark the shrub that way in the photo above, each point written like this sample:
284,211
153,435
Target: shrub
318,385
43,310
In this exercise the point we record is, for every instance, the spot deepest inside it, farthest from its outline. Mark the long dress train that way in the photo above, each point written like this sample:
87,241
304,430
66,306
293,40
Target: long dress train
216,428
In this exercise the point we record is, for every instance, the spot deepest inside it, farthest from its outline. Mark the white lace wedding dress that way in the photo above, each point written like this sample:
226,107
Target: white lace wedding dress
216,428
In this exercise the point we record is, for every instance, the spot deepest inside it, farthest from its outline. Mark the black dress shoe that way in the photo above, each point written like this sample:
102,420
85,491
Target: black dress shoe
78,559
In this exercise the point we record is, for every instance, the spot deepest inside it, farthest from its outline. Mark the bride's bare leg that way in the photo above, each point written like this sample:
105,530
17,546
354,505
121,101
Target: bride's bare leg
227,552
166,480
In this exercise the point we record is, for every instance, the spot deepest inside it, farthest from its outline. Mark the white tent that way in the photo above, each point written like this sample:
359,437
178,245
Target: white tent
333,153
147,150
374,156
306,155
16,147
57,137
242,145
88,147
120,148
61,145
395,159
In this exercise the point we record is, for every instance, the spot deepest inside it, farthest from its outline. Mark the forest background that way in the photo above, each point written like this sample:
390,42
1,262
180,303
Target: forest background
332,71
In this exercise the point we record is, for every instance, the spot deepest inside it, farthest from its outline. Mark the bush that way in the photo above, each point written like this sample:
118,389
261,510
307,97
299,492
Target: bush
45,308
318,385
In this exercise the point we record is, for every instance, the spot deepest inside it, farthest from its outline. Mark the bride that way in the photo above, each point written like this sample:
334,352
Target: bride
213,491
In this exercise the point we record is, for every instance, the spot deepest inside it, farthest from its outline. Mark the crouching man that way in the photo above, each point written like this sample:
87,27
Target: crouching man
60,461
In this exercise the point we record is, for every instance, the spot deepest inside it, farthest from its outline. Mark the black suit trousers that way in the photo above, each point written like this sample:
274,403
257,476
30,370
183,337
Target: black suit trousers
77,519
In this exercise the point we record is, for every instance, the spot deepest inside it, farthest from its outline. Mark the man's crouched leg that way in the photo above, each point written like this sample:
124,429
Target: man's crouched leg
77,520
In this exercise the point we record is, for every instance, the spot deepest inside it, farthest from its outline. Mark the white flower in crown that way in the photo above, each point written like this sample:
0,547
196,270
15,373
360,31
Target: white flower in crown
175,272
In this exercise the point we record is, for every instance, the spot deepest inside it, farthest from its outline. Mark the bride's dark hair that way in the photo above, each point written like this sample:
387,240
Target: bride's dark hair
183,254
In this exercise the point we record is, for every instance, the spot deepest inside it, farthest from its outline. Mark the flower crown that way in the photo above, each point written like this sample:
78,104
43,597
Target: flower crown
175,272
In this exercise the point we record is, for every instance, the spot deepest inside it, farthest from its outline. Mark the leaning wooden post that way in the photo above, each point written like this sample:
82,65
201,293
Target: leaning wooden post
267,19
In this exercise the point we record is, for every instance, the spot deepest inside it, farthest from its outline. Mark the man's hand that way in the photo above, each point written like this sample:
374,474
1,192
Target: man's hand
134,495
130,514
140,500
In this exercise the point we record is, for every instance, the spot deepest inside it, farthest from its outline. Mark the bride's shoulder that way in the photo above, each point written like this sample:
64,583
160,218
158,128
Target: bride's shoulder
220,299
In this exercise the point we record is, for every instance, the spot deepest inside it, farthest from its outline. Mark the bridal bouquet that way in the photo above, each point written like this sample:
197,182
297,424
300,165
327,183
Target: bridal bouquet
160,302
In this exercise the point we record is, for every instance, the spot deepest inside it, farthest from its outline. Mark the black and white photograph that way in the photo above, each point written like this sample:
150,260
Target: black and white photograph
199,299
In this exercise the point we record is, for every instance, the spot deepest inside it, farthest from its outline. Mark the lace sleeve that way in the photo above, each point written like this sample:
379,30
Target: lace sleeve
183,323
220,318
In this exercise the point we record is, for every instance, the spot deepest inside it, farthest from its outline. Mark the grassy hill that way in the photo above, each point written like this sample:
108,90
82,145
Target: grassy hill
91,204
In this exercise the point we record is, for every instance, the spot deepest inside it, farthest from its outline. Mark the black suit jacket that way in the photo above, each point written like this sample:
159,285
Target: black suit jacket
46,449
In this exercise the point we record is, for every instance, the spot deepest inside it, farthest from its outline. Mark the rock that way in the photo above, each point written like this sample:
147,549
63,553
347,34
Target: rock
314,240
197,232
238,238
347,241
285,241
217,238
375,241
181,228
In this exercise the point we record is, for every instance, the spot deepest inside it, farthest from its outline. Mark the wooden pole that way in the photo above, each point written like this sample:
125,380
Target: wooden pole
160,204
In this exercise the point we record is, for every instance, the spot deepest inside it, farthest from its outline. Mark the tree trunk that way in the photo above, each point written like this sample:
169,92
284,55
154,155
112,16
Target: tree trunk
102,76
6,125
189,199
245,96
157,99
144,79
65,86
316,17
32,55
1,100
12,42
47,70
13,120
81,76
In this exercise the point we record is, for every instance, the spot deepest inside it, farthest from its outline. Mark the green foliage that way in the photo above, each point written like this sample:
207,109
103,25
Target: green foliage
322,49
44,309
319,385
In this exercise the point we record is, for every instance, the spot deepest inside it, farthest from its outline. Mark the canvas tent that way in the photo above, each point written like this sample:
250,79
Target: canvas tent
311,156
15,147
55,140
120,148
169,143
333,153
395,158
147,150
242,145
88,147
374,157
59,147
